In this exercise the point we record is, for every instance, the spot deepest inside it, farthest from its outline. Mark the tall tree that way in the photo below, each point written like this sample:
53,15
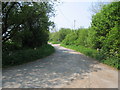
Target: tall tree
26,22
105,25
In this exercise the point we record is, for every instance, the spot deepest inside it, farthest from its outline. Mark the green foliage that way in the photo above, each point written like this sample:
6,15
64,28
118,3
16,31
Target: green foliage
106,24
112,43
25,26
112,62
104,21
70,39
82,37
55,42
60,35
26,55
90,38
87,51
27,23
54,37
10,46
96,55
76,37
63,33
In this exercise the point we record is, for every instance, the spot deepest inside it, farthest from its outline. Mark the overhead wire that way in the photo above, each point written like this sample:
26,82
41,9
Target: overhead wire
65,17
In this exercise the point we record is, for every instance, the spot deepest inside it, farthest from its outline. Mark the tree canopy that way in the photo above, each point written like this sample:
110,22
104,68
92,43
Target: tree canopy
26,23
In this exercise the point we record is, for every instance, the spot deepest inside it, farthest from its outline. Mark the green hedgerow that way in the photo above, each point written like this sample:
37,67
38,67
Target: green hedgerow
26,55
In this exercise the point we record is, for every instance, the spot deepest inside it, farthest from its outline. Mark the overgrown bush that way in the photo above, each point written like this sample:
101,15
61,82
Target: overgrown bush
60,35
54,37
70,39
87,51
25,26
26,55
82,37
10,46
106,38
63,33
113,61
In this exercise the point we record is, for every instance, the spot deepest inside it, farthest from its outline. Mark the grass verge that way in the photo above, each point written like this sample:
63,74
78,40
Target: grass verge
54,42
87,51
26,55
95,54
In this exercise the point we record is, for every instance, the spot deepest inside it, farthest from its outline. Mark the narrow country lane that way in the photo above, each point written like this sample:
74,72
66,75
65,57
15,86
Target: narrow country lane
65,68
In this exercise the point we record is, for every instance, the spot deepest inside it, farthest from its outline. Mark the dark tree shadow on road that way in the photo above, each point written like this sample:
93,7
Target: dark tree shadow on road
62,67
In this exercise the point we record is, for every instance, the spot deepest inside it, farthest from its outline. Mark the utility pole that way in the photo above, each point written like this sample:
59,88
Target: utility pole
74,24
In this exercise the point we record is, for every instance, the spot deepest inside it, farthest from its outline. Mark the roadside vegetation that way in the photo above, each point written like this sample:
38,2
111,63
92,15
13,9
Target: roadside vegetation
26,55
25,31
100,41
55,42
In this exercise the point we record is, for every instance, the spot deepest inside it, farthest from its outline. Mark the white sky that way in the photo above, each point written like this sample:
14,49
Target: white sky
78,10
67,12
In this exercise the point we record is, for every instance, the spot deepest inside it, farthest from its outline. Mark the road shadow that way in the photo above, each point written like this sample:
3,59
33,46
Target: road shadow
61,68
